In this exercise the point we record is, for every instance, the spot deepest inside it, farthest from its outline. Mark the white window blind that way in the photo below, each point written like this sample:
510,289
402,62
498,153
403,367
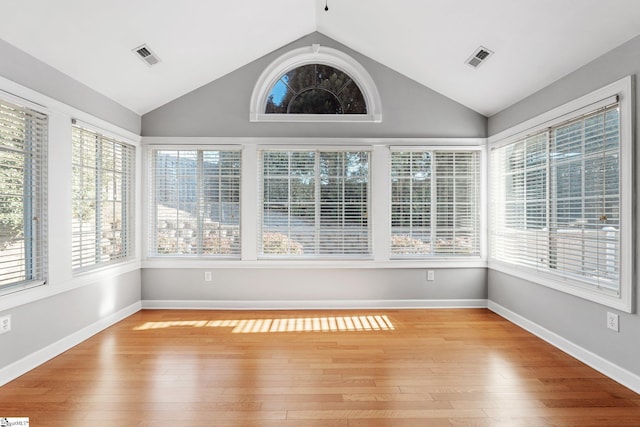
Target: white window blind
556,200
23,177
102,199
435,203
195,202
315,203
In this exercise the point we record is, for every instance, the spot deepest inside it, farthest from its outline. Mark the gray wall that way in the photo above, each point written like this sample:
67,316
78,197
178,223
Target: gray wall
575,319
264,285
39,324
30,72
221,108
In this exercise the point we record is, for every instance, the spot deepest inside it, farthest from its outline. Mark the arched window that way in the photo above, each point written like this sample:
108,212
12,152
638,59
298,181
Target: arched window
315,84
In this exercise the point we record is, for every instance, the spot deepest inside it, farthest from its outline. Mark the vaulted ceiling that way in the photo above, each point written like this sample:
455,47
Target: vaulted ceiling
535,41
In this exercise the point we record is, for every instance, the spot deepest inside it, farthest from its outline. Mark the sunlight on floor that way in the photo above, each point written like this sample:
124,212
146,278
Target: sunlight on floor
299,324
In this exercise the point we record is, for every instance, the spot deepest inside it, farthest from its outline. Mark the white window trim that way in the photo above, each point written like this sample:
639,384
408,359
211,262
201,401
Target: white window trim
318,149
41,247
482,235
132,176
60,277
315,54
623,89
149,207
380,149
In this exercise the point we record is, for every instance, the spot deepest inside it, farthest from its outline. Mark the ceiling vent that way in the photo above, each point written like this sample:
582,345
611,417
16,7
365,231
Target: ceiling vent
479,56
145,53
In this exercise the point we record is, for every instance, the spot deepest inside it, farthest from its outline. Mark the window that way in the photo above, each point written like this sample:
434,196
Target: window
315,84
23,140
102,199
315,203
435,203
315,89
196,202
559,206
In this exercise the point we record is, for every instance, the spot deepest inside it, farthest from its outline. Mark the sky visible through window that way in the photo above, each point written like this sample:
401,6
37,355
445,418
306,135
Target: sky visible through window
315,89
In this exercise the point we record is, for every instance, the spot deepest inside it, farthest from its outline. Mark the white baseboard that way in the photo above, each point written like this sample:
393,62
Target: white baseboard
611,370
33,360
310,305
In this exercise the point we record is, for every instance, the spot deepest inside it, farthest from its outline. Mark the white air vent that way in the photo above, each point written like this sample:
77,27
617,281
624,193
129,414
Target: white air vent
479,56
145,53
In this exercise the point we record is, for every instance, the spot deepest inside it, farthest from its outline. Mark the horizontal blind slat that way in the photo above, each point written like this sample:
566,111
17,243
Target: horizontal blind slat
557,208
23,136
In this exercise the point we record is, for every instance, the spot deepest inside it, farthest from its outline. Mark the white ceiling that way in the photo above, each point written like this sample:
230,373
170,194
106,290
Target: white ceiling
535,41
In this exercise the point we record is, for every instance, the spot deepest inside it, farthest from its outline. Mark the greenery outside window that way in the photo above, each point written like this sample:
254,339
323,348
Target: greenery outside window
435,203
23,178
315,84
561,200
314,203
315,89
195,200
102,200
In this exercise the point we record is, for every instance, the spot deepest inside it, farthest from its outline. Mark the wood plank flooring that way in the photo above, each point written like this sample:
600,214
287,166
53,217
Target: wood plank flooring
370,368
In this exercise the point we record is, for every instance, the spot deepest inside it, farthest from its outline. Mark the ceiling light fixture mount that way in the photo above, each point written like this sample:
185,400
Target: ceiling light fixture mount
326,7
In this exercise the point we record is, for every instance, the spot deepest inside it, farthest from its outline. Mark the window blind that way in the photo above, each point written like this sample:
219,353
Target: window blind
556,200
435,203
314,203
23,177
103,184
195,202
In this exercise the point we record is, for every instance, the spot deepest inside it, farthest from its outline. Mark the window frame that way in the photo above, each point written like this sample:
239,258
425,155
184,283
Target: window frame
152,216
318,229
128,194
379,207
315,54
35,251
622,89
479,198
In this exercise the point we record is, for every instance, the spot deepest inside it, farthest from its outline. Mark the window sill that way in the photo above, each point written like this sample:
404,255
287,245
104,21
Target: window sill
569,286
33,294
475,262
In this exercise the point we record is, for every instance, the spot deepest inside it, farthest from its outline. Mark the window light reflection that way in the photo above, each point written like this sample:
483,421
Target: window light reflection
297,324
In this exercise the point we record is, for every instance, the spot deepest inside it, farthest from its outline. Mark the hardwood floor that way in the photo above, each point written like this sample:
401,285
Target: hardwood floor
368,368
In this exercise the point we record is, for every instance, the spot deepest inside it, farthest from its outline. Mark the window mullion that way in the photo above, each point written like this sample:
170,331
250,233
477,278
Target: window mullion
317,201
433,211
98,201
199,214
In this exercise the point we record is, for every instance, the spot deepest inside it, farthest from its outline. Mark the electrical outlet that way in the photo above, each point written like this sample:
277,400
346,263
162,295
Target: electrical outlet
5,324
612,322
431,275
207,276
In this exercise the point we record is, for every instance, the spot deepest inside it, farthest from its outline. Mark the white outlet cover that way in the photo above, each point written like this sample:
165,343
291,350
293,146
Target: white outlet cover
613,321
5,324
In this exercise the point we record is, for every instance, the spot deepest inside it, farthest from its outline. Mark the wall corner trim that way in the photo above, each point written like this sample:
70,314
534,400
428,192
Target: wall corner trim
600,364
33,360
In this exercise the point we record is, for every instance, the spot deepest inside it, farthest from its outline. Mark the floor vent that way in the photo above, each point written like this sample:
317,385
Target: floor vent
145,53
480,55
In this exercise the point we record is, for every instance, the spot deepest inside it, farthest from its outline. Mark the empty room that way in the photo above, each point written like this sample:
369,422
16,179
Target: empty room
336,213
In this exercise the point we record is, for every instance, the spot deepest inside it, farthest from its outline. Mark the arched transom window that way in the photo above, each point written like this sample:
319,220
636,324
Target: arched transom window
315,89
317,85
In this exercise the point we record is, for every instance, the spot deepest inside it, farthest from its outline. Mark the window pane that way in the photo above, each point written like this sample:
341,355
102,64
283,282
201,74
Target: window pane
315,89
22,185
102,199
317,205
559,209
435,203
197,203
